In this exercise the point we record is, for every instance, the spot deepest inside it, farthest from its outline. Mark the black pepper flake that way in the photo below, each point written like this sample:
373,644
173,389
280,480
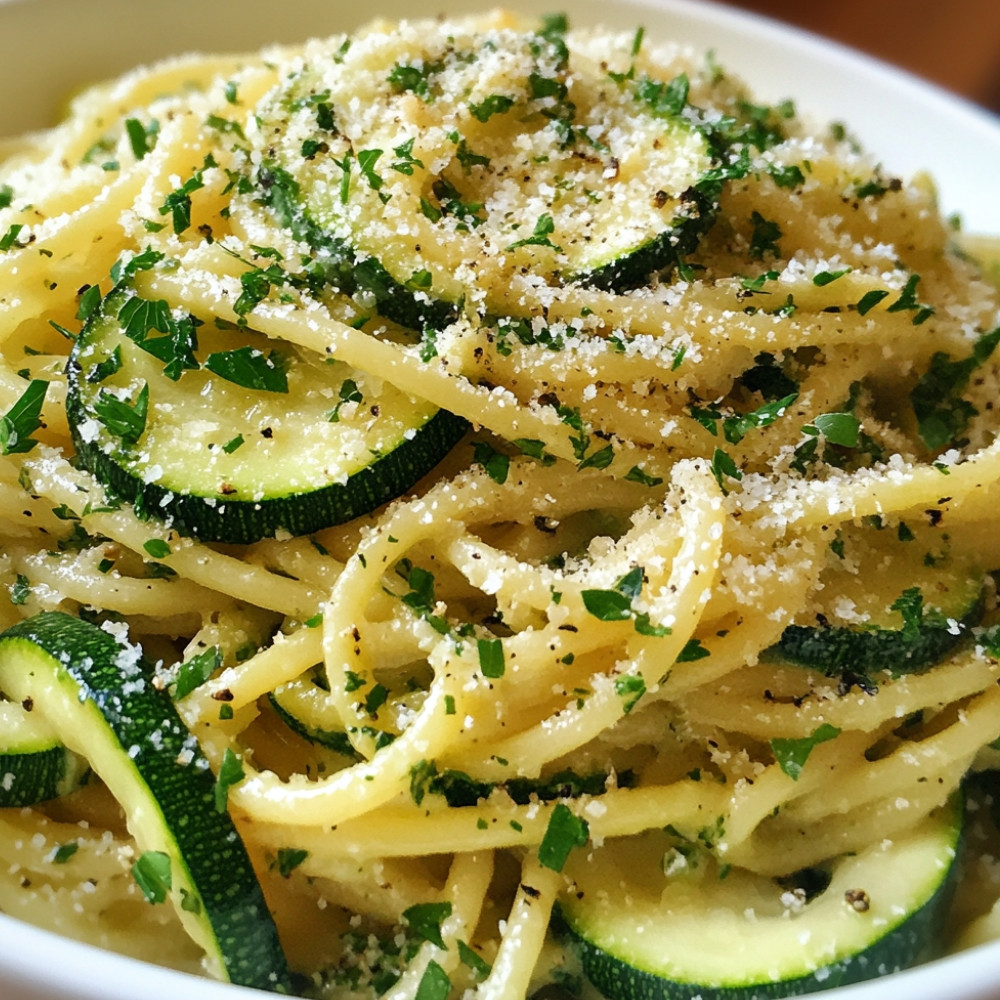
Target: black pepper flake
858,899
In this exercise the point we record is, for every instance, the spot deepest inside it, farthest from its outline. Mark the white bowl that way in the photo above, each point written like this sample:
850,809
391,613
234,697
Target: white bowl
48,48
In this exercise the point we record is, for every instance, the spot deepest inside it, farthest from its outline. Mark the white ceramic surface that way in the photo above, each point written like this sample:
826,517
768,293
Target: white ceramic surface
50,47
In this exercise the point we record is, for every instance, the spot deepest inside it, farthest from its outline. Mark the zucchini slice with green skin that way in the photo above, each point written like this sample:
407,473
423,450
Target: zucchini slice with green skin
96,692
437,160
887,606
296,446
692,933
288,709
35,766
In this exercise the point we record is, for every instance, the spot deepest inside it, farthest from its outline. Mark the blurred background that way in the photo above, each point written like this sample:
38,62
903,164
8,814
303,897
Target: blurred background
954,43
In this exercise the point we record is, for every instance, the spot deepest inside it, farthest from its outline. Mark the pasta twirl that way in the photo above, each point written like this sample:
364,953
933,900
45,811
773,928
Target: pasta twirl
638,545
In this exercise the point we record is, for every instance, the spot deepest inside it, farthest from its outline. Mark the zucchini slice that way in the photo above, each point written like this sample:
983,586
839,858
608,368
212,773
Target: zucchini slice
645,930
886,605
34,764
96,692
298,444
417,163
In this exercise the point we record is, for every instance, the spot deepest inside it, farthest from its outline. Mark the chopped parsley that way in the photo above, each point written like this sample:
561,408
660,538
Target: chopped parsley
177,204
821,278
666,99
406,160
544,228
425,919
637,475
496,463
565,831
792,754
250,368
289,858
434,983
942,414
347,393
630,688
20,590
23,419
230,773
152,875
142,138
764,240
367,158
495,104
491,657
9,239
838,428
156,547
735,426
473,960
724,467
124,419
414,79
615,605
194,672
65,851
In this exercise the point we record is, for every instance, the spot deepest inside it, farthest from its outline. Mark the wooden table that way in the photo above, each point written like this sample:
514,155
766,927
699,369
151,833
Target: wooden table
955,43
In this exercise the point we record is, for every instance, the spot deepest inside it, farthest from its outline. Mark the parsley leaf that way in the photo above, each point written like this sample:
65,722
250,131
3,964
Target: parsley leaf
565,831
630,688
764,240
20,590
367,158
250,368
414,79
491,657
942,414
910,604
142,138
289,858
65,851
839,428
791,754
434,983
196,671
661,98
348,393
23,419
152,875
544,228
157,548
407,161
126,420
9,238
230,773
495,104
177,204
616,605
496,463
425,920
637,475
724,465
